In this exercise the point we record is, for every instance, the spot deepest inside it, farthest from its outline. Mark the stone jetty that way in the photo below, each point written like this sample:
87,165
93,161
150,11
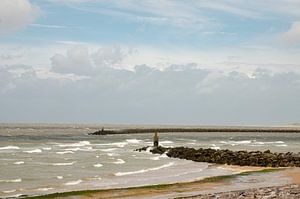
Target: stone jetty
225,129
241,158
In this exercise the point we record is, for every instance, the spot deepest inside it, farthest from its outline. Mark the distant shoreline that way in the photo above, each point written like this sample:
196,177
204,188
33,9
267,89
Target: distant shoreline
199,130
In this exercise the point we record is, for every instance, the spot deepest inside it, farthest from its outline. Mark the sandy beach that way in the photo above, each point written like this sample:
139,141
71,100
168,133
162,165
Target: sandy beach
247,178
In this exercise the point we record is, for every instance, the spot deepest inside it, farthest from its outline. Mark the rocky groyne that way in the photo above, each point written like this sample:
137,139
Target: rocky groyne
241,158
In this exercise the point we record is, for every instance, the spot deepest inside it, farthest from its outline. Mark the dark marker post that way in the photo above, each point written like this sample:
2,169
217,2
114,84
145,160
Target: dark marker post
155,140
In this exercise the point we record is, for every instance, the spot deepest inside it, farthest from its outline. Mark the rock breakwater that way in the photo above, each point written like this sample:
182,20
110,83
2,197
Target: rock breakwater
241,158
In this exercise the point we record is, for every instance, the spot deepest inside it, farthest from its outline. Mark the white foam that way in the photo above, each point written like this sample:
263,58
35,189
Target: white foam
20,162
236,142
9,147
9,191
164,155
59,177
71,183
108,150
64,152
166,142
64,163
112,154
14,180
119,161
155,158
118,144
95,178
14,196
77,144
47,148
215,147
45,189
282,145
34,151
80,149
133,141
144,170
98,165
263,143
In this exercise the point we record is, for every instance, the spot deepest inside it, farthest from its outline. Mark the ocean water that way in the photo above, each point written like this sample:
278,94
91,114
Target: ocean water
41,159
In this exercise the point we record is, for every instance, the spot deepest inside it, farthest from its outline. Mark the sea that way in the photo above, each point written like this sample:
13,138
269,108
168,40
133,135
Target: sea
38,159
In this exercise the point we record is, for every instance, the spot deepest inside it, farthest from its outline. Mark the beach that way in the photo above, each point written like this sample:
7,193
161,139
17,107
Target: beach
37,160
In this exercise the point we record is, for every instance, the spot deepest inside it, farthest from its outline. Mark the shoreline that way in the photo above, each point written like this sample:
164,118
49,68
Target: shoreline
186,187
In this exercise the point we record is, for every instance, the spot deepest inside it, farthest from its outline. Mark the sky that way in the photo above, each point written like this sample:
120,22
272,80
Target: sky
183,62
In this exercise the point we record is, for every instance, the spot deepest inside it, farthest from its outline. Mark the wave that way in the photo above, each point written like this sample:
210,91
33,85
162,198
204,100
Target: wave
144,170
80,149
77,144
119,161
14,180
166,142
236,142
20,162
282,145
98,165
63,163
155,158
133,141
9,191
108,150
9,147
47,148
118,144
15,196
34,151
254,142
64,152
45,189
59,177
112,154
96,177
73,183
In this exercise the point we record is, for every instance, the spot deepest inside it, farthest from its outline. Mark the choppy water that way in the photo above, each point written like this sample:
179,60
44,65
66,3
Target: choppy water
40,159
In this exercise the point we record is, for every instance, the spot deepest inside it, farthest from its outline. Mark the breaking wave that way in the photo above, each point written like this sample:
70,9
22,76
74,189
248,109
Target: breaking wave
144,170
63,163
9,148
34,151
73,183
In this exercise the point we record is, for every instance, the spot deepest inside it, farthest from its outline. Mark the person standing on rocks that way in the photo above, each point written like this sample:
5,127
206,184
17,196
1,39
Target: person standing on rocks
155,140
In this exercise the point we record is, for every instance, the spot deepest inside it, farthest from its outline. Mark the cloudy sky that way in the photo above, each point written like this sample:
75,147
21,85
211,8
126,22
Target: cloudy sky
201,62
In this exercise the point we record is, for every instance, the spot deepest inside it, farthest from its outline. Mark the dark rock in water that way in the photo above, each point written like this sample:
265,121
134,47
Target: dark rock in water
242,158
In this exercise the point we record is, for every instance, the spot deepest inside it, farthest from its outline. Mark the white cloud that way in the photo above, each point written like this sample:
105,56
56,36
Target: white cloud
109,56
16,14
146,95
76,61
79,60
292,36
